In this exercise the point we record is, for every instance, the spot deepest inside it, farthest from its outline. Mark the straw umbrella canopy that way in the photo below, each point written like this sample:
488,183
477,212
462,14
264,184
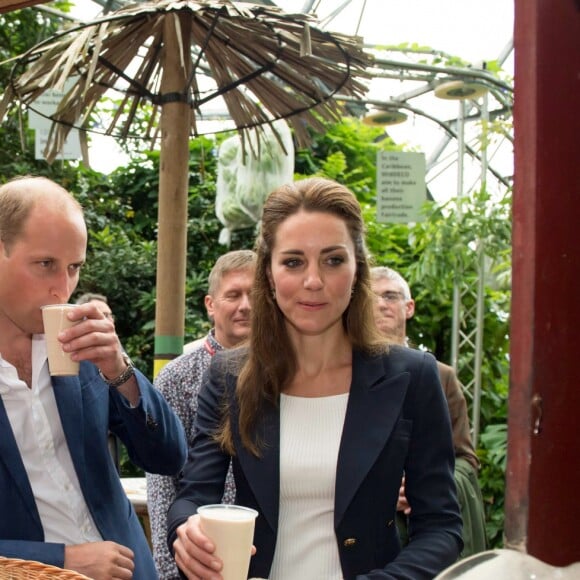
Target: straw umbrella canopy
179,55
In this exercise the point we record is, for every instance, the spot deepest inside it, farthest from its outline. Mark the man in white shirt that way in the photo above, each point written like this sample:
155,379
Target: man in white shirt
61,499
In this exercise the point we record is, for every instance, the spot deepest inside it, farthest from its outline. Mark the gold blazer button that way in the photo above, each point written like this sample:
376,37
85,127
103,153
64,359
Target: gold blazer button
349,542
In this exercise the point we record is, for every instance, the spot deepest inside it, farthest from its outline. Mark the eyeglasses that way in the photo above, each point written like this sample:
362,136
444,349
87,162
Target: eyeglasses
391,296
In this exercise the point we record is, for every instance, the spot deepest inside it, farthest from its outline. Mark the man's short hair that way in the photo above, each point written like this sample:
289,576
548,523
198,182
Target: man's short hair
229,262
381,272
90,296
18,198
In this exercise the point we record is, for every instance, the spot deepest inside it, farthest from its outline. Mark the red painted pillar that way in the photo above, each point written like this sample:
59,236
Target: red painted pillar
543,474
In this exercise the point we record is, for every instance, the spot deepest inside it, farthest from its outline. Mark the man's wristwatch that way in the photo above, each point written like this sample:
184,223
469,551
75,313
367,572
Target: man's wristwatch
123,377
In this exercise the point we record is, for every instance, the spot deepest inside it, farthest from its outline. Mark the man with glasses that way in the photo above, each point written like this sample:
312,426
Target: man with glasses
394,306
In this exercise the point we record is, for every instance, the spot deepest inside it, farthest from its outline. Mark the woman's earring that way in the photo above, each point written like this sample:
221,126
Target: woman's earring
273,294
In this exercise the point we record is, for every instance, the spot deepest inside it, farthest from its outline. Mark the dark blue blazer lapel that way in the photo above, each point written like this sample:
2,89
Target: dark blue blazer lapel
263,473
67,394
376,398
10,457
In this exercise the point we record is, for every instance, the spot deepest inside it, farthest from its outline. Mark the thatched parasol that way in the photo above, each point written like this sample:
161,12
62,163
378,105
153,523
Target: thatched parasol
180,55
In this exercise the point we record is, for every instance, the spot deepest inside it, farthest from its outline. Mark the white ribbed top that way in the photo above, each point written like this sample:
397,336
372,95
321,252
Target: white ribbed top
310,432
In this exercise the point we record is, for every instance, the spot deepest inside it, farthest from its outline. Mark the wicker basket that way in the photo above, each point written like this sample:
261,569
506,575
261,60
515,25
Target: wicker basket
15,569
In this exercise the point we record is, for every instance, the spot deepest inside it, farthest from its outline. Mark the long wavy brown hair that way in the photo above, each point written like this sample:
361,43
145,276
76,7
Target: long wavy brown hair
271,360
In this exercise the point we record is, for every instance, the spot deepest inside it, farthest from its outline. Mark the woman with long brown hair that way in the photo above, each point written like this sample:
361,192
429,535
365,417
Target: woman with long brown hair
320,417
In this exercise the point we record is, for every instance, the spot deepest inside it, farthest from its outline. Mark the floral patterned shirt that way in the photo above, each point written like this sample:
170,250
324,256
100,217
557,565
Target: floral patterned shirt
179,381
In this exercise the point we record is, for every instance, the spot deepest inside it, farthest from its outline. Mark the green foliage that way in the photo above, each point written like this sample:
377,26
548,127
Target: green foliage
346,152
492,478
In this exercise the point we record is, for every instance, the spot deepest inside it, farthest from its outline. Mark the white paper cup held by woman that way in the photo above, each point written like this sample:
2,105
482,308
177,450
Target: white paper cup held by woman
54,317
231,529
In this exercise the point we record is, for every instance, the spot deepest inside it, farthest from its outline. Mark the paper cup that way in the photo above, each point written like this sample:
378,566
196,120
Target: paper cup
55,319
231,529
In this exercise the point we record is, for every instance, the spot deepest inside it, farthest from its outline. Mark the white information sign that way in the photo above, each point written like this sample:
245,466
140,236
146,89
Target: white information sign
401,189
70,150
46,104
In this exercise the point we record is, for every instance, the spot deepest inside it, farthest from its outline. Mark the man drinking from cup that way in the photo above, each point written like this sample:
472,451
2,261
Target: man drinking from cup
61,499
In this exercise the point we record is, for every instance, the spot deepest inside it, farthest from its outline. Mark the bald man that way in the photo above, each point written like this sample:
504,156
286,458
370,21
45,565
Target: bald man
61,499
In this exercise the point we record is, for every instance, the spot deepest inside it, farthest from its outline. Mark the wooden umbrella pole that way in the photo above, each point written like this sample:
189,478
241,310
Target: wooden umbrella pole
173,193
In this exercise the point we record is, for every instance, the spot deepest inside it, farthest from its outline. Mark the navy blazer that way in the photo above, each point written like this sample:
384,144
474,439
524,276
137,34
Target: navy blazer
155,441
396,421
